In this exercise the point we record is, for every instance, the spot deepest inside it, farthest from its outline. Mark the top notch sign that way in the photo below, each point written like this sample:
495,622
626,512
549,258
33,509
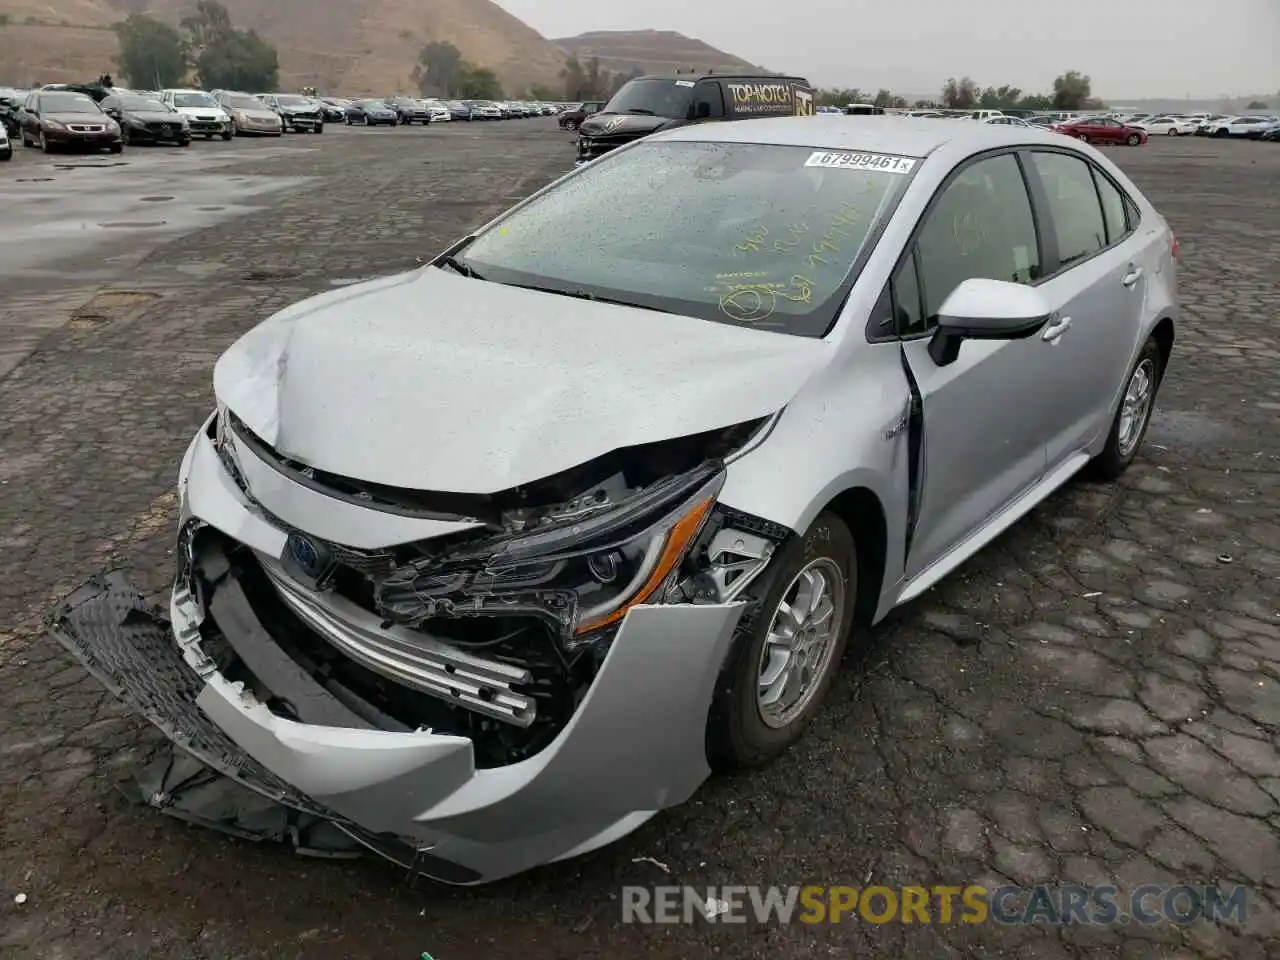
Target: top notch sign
761,97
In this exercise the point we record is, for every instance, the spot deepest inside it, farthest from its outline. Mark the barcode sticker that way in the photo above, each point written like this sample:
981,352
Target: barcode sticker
876,162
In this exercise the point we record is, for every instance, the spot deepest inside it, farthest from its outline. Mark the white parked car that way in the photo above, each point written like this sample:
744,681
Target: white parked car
439,112
6,146
204,114
1011,122
1240,126
1169,126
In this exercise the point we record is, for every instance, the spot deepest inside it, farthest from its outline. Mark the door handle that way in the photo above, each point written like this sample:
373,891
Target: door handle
1132,277
1056,328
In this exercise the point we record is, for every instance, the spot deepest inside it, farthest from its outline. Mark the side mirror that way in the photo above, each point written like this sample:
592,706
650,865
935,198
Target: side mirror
981,309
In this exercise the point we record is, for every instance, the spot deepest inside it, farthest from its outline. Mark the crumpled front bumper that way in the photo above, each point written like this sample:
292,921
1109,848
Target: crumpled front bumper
635,744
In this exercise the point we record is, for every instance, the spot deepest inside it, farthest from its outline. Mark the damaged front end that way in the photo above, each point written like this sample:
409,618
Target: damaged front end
459,701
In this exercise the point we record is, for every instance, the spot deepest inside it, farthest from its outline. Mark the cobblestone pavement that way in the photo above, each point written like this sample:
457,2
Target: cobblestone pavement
1094,698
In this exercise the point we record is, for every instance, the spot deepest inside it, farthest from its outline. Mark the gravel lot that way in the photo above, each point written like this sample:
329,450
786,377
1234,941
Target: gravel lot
1095,696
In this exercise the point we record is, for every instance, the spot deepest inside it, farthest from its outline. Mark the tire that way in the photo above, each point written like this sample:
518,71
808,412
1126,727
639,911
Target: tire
1117,455
228,135
320,128
1133,140
45,145
1223,133
116,148
6,156
1083,136
738,735
184,143
1172,132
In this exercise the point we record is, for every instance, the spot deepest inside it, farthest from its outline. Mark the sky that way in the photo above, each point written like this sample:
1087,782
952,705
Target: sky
1130,48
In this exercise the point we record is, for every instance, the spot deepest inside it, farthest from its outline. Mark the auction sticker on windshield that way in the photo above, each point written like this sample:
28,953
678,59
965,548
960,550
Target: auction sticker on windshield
881,162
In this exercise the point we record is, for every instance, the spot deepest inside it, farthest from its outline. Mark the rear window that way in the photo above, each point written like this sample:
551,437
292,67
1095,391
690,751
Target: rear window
748,234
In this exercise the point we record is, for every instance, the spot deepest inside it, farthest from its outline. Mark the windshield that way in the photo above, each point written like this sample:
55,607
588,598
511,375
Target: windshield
292,101
67,103
748,234
373,104
193,100
658,98
245,103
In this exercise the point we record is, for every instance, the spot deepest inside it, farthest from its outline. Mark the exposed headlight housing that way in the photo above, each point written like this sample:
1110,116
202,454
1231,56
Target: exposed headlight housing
585,574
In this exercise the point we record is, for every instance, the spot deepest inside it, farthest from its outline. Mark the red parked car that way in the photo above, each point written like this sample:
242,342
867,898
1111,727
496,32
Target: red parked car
1102,130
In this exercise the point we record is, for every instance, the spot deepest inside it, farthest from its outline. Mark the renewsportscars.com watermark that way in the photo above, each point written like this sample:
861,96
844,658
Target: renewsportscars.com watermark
1010,906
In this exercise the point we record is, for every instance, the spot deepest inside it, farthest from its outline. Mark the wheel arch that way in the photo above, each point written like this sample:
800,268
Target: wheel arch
1163,334
863,513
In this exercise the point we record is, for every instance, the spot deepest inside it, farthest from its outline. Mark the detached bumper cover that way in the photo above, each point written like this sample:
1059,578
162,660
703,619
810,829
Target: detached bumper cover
635,744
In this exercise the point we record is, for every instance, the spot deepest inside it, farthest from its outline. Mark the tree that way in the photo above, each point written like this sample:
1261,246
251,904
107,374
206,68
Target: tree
837,97
1072,91
618,80
999,98
960,94
439,68
542,92
574,78
478,83
585,81
151,53
1257,105
225,57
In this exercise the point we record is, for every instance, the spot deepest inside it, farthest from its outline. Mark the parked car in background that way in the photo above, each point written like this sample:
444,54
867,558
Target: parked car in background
485,110
249,115
11,100
298,114
1007,121
1244,127
1271,134
437,112
1102,130
409,110
147,119
459,110
371,113
204,114
1168,126
334,110
6,145
1211,123
57,119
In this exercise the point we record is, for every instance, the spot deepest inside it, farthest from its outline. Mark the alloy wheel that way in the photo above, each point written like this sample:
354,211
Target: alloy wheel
802,637
1135,409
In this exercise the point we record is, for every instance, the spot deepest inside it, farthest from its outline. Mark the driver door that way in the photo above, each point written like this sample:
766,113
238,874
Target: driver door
982,445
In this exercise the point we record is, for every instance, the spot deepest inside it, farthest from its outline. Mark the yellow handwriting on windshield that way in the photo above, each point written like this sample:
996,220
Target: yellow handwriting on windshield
754,241
793,238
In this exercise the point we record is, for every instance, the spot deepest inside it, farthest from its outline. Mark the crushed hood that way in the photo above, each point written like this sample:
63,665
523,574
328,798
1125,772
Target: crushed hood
433,381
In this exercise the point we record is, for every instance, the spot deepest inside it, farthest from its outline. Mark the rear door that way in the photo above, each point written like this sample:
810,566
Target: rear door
982,439
1099,259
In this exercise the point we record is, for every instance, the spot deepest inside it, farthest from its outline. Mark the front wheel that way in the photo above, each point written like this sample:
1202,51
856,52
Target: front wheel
320,128
1131,419
1133,140
787,650
228,134
116,148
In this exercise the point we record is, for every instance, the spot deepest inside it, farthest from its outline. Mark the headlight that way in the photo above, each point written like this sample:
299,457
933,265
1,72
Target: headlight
52,125
585,573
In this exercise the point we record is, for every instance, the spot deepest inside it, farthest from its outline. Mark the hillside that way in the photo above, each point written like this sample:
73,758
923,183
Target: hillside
343,46
651,51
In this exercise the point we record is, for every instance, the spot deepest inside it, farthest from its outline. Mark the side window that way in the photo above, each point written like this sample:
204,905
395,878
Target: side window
1114,212
907,311
1073,201
981,226
708,101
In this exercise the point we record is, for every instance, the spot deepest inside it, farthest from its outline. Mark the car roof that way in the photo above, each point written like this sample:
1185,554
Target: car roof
904,136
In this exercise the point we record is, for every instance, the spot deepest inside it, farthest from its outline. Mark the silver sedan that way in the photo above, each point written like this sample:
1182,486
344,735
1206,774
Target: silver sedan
485,564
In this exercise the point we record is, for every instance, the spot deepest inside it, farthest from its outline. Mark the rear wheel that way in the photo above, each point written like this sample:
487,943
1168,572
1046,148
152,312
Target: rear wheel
1134,414
783,660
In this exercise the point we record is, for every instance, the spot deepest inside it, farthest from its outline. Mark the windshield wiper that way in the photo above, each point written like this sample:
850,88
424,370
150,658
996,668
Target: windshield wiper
580,294
642,111
453,263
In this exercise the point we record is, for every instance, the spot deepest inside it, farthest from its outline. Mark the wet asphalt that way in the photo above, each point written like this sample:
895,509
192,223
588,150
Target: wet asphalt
1095,697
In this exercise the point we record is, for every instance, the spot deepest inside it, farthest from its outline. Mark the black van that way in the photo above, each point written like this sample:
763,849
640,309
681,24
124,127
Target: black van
649,104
